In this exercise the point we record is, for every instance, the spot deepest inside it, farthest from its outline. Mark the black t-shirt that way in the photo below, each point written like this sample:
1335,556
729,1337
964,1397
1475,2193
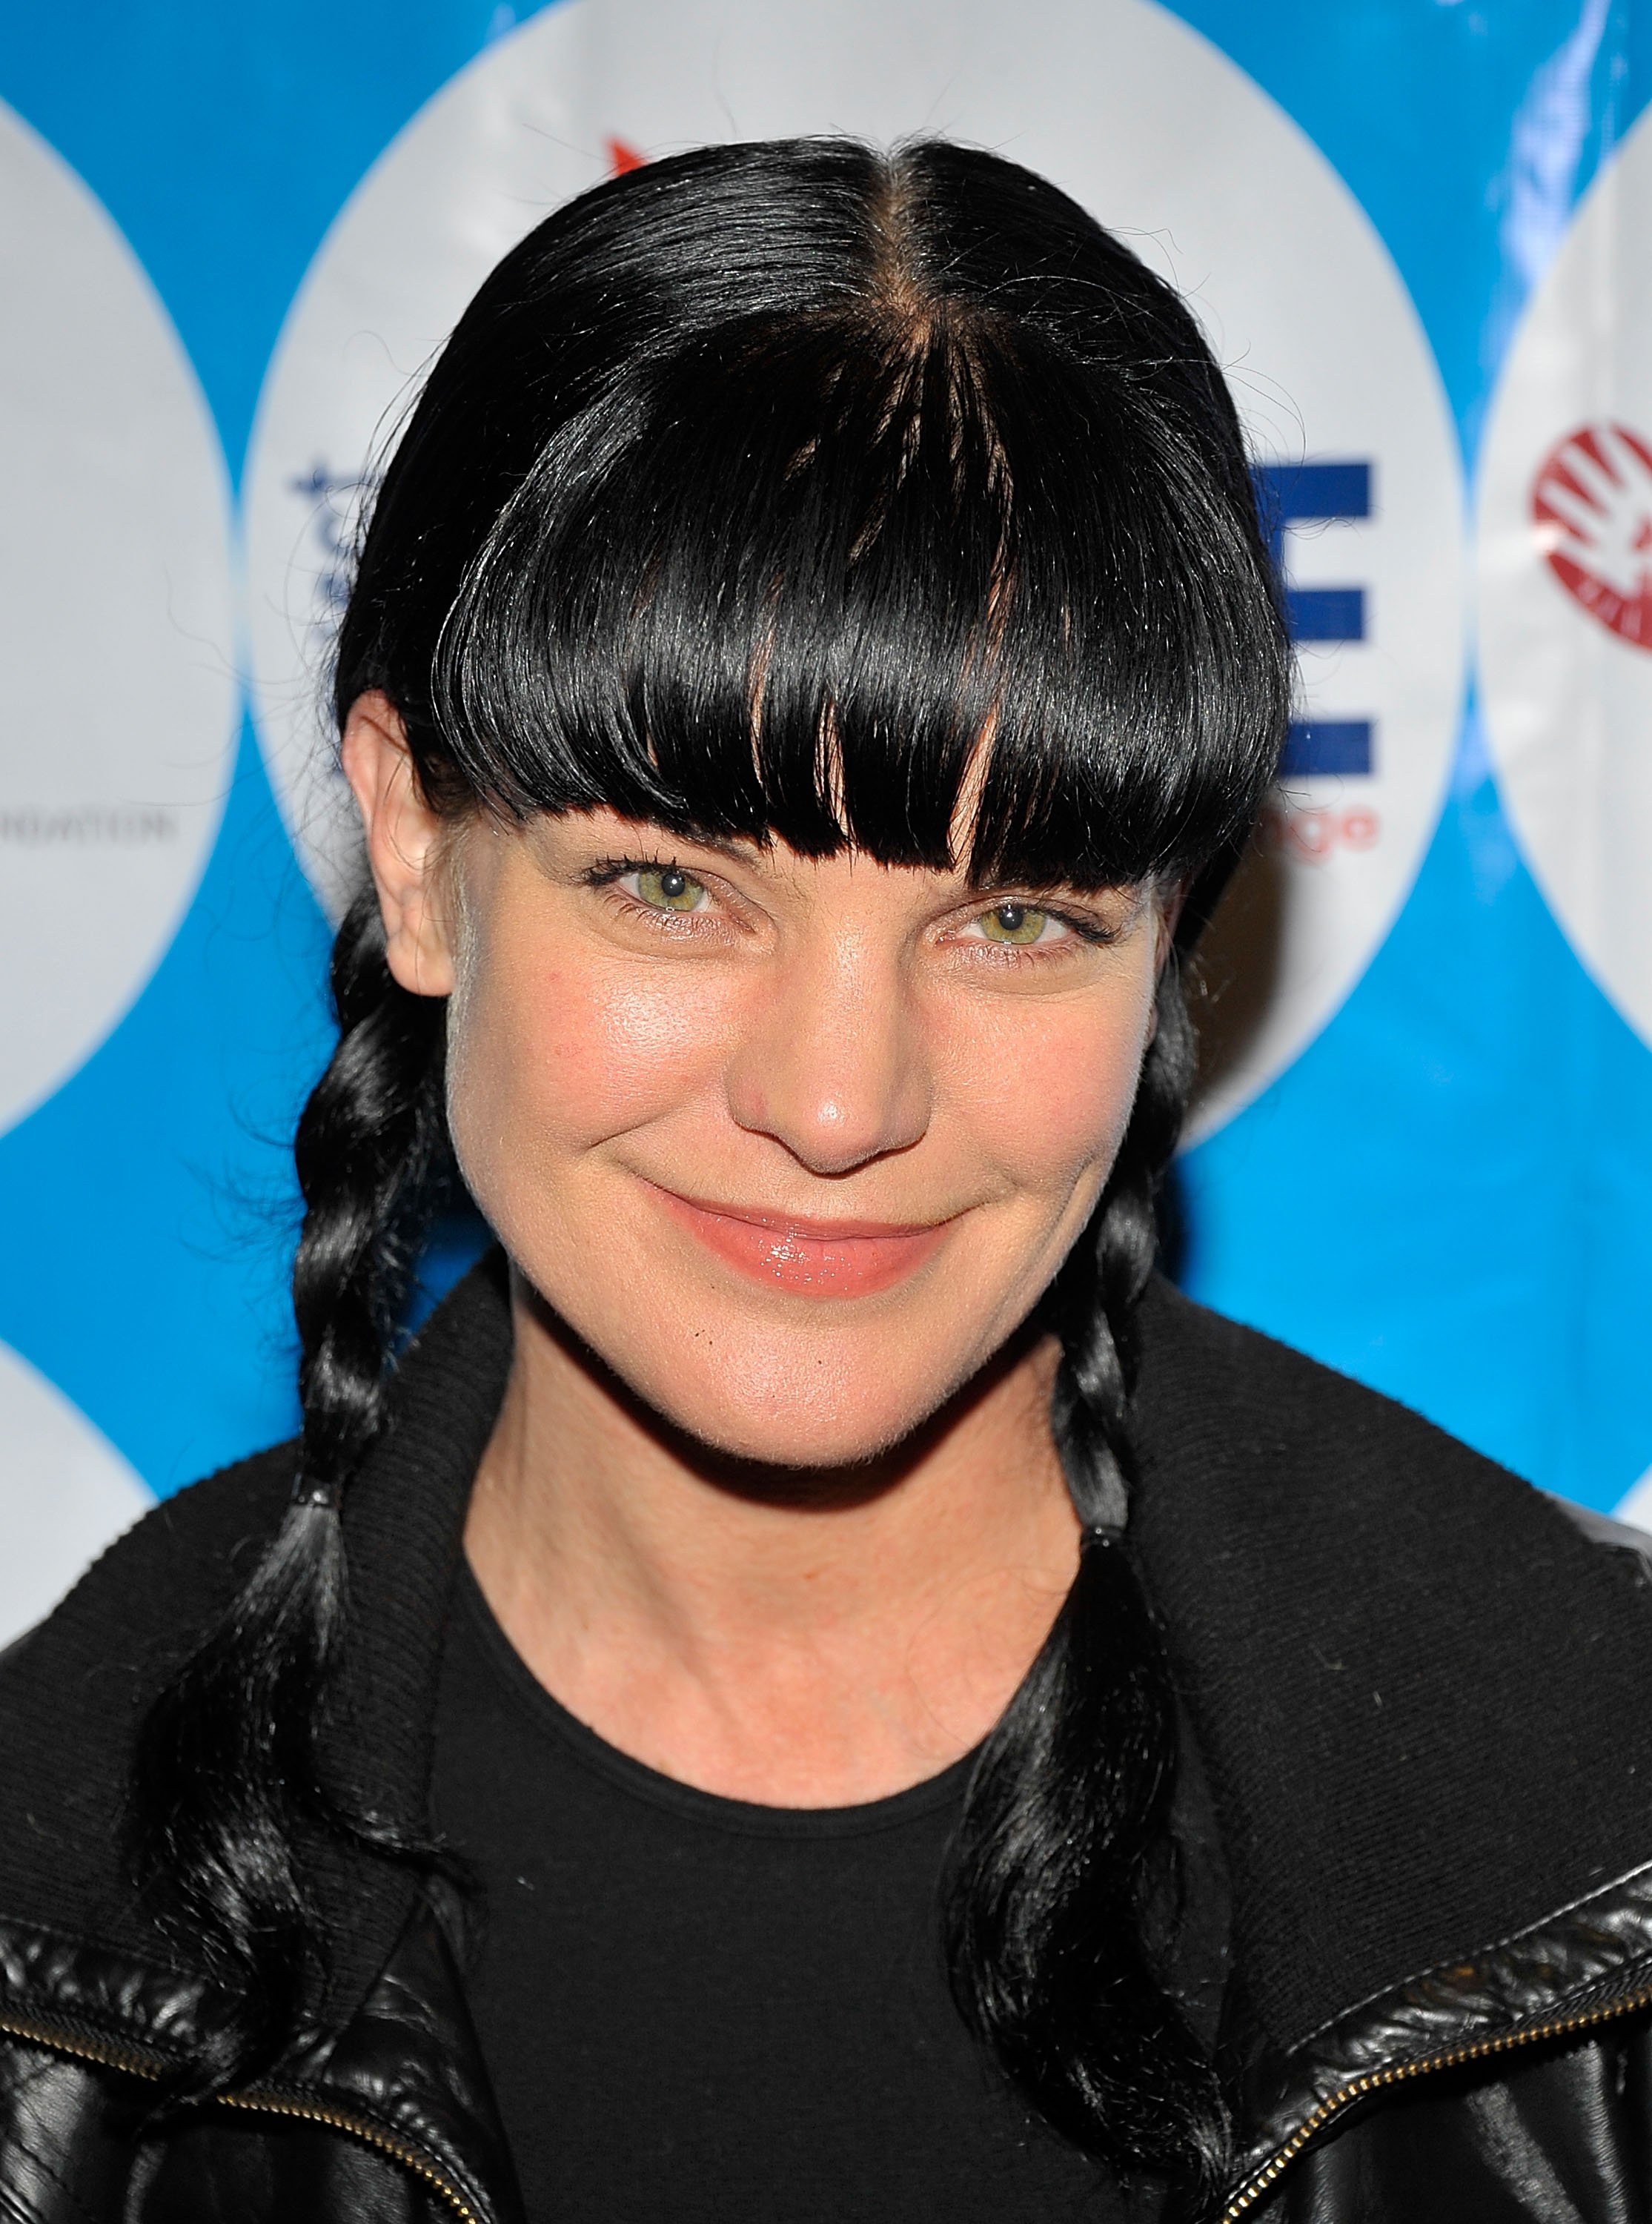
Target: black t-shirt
696,2011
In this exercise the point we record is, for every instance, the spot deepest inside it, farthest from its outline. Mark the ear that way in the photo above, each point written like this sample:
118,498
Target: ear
403,845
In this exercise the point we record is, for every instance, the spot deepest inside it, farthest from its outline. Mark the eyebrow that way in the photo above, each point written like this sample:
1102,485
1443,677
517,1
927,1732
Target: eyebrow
1036,885
740,849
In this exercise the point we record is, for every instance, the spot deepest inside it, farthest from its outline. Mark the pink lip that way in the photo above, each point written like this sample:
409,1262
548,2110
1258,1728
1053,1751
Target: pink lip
825,1258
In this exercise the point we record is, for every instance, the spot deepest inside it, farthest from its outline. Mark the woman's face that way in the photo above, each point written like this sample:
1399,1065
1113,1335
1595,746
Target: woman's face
792,1145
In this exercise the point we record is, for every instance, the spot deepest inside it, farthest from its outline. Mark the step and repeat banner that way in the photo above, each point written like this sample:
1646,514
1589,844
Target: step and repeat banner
1419,233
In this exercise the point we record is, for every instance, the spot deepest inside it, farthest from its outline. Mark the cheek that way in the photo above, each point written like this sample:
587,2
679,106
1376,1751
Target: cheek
550,1055
1046,1090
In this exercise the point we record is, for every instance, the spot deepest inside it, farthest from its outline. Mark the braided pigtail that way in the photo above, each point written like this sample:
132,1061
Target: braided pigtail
227,1782
1047,1907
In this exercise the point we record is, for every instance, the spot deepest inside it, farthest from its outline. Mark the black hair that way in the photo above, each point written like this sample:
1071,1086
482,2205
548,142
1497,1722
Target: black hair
774,490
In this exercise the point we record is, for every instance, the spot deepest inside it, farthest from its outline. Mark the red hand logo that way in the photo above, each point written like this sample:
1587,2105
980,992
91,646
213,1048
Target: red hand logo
1592,514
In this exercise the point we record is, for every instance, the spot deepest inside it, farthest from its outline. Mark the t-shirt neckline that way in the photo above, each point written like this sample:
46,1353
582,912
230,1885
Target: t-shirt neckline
517,1684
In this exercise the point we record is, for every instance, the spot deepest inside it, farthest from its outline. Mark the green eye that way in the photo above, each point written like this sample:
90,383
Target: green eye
668,887
1013,922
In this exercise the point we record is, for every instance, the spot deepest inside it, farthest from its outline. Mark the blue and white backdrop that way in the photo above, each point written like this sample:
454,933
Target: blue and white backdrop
1418,232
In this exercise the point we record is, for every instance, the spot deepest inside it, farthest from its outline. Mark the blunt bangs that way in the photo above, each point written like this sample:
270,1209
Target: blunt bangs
794,582
871,484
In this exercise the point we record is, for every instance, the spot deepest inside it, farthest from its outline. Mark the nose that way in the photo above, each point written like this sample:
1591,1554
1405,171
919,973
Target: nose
833,1067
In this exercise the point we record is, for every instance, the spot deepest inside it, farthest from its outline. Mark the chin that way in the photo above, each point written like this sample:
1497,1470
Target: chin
797,1410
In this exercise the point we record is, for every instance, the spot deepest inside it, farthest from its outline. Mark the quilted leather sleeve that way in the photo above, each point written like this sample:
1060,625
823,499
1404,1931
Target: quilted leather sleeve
73,2150
1558,2135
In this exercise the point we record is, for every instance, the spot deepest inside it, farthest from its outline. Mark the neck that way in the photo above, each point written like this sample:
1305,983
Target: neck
793,1637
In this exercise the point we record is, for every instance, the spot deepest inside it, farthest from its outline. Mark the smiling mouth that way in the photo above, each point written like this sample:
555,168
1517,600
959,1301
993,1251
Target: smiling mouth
820,1258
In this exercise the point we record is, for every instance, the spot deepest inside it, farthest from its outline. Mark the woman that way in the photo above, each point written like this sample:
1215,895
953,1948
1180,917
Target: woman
816,1688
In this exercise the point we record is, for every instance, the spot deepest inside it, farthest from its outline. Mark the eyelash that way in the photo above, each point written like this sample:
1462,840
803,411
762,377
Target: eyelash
610,870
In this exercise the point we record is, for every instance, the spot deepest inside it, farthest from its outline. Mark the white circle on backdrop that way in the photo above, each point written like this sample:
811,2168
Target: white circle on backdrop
1565,582
1635,1507
1150,126
65,1493
118,698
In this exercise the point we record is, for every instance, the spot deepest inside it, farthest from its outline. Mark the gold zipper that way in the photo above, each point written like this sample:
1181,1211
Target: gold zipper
1396,2074
100,2051
272,2103
413,2158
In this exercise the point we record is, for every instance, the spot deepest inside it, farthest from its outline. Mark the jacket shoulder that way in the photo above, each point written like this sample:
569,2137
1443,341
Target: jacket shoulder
191,1550
1217,1387
75,1688
1419,1685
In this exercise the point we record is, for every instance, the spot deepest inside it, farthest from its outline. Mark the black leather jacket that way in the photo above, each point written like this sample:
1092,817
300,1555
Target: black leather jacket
1420,1693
